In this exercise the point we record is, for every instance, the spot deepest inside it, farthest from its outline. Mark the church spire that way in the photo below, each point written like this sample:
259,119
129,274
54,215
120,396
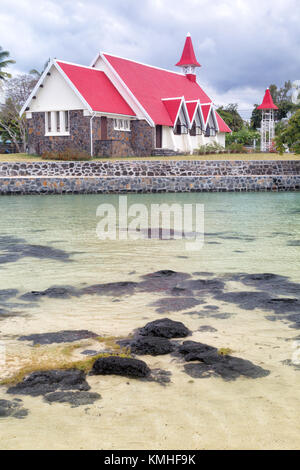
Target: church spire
188,59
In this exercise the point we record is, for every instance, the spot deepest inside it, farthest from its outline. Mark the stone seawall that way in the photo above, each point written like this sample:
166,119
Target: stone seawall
152,168
148,177
155,184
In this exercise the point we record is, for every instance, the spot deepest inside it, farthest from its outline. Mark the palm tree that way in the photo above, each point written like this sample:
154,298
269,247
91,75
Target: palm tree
4,62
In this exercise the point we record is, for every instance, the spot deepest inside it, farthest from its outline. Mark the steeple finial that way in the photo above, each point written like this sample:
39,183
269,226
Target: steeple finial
188,59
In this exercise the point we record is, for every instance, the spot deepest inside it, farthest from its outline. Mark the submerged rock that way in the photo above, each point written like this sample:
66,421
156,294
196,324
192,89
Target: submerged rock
151,345
210,363
73,398
65,336
165,328
41,383
16,248
12,408
175,304
55,292
116,365
207,328
111,288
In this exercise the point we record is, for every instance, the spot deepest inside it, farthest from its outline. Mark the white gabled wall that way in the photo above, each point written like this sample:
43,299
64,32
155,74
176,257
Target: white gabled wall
55,95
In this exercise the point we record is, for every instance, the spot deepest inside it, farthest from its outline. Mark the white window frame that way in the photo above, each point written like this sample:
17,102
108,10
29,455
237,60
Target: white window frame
55,123
122,125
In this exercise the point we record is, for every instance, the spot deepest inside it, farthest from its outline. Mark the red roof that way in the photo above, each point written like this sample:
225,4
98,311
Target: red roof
191,107
173,107
96,89
267,101
205,111
222,124
150,85
188,55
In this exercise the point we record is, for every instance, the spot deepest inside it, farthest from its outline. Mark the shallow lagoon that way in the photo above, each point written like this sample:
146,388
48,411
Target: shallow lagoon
245,233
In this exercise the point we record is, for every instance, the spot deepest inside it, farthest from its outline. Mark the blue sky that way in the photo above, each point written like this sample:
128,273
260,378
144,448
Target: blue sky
243,45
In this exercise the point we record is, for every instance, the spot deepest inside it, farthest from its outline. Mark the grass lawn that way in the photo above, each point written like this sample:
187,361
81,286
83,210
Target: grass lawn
23,157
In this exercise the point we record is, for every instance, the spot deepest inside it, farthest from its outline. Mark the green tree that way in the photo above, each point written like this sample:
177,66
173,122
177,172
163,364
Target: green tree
12,126
5,62
290,135
231,116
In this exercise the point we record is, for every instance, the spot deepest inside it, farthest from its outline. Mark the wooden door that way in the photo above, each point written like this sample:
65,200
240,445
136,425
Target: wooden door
103,128
159,137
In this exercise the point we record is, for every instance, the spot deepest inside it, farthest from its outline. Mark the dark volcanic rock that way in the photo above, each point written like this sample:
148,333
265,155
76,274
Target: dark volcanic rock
192,350
165,328
209,285
55,292
65,336
262,300
116,365
152,345
41,383
175,304
73,398
207,328
12,408
161,281
210,363
14,249
270,282
111,288
7,294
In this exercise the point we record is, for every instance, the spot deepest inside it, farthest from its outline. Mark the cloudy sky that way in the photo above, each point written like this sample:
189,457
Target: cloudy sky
243,45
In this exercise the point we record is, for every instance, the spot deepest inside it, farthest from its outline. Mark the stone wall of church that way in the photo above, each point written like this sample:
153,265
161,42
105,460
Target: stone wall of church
138,141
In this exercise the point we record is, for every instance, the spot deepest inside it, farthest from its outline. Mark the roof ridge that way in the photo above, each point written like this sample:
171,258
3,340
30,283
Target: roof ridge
142,63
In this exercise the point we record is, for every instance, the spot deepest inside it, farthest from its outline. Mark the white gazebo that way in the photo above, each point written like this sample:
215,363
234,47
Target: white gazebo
267,128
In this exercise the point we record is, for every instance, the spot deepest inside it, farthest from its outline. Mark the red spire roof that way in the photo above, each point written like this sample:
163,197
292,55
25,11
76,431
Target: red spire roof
188,55
267,101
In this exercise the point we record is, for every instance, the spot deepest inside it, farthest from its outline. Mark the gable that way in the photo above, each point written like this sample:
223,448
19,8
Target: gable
96,89
55,94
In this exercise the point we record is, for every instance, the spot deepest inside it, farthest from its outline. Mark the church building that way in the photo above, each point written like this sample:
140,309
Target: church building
121,107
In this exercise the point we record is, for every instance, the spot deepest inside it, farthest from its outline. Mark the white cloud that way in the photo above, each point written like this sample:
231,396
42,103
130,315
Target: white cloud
243,45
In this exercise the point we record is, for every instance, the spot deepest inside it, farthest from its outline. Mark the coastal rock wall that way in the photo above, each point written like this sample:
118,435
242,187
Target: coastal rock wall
154,184
151,168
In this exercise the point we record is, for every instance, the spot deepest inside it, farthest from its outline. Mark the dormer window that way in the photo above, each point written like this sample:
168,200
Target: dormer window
195,130
180,128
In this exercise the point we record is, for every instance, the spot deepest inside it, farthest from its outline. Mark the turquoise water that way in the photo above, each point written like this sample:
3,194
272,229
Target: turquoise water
245,233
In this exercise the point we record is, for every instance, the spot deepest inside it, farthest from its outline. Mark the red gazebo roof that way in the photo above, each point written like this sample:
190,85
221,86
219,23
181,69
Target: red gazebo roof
267,101
188,55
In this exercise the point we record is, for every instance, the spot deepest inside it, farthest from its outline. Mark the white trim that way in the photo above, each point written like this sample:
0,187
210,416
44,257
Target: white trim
172,99
49,134
185,110
71,85
53,62
136,62
208,115
117,76
37,86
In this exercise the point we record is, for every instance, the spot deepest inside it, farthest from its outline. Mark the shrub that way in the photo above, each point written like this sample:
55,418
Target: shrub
209,149
244,136
236,148
68,154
